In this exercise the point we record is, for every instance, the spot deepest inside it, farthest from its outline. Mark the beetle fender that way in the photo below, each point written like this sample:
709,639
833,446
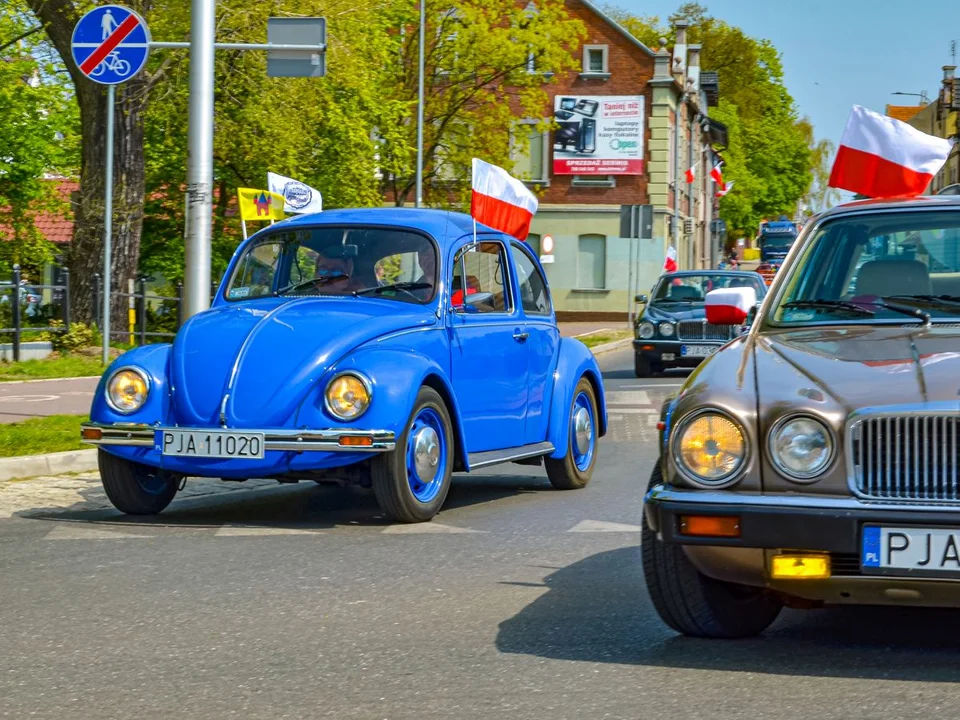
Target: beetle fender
575,361
153,360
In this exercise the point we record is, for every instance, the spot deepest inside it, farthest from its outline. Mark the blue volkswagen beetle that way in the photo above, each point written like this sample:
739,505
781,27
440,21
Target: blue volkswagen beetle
380,347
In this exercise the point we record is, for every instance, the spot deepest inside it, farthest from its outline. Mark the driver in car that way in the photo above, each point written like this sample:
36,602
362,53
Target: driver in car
334,273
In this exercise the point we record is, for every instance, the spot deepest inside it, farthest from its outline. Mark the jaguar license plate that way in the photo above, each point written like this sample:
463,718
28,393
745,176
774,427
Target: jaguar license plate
910,549
211,444
697,350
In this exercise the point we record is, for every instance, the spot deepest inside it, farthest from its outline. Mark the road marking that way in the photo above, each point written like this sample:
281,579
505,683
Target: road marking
651,385
593,526
259,531
632,410
29,398
426,528
85,532
48,380
633,397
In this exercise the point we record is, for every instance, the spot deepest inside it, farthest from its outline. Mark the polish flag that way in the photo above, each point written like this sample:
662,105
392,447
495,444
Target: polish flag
690,175
717,175
501,201
729,306
670,262
725,189
883,157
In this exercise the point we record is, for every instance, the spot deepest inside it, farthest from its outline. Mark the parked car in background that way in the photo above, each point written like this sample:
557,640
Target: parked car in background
672,330
380,347
814,460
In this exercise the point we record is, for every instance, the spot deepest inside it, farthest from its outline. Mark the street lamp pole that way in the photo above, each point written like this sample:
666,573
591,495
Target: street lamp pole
423,24
199,221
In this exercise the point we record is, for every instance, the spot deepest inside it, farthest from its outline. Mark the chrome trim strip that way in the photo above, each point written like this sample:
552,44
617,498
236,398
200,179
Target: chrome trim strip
660,493
282,440
528,451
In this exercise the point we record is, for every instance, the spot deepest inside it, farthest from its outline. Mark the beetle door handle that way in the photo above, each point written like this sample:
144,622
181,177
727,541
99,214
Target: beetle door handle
520,336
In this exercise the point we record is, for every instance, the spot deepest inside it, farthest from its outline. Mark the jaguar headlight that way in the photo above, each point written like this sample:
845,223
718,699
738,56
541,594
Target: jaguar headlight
666,329
801,447
710,449
646,330
347,396
127,390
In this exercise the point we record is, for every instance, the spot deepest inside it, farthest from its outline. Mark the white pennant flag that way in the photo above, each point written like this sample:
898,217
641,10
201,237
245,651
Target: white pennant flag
298,197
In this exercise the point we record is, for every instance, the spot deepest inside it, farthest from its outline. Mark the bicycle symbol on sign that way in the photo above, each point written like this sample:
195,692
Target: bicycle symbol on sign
114,63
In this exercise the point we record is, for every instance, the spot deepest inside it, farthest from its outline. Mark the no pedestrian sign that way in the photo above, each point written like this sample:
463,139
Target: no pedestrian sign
110,44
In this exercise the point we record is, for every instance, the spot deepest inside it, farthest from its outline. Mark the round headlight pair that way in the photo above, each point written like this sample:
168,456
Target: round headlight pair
127,390
647,329
801,447
347,396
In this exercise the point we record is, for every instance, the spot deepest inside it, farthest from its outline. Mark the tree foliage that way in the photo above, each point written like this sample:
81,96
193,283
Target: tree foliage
770,157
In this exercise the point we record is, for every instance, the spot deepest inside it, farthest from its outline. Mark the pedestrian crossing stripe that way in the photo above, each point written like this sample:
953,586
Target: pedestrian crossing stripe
593,526
425,528
260,531
89,532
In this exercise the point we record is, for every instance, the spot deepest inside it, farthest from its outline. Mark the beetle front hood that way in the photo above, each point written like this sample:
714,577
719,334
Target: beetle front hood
867,365
266,354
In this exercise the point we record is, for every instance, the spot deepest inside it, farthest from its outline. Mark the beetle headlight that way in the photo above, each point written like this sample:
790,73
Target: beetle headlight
710,448
347,396
801,447
646,330
127,390
666,329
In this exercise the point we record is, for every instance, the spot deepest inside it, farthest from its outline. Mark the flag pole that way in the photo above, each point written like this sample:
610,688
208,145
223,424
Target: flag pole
243,224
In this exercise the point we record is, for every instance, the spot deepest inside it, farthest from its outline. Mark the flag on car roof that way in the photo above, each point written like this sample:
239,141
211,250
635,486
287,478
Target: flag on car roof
880,156
501,201
259,204
670,262
298,197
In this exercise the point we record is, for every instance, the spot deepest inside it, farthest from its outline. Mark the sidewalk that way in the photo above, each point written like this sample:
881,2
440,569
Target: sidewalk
573,329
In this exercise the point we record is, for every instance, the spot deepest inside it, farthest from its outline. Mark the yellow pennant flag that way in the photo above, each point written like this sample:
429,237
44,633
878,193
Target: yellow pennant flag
260,204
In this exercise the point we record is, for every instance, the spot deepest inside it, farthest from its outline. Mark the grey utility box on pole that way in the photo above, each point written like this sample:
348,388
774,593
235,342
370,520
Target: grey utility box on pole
636,221
297,31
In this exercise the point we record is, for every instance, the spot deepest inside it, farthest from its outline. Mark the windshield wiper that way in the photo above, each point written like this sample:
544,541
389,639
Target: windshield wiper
313,282
948,300
858,307
402,286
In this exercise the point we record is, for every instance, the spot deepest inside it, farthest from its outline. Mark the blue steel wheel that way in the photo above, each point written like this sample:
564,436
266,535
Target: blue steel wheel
133,488
574,470
411,482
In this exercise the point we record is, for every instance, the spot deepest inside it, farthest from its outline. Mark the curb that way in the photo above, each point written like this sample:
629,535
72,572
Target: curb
4,383
615,345
26,466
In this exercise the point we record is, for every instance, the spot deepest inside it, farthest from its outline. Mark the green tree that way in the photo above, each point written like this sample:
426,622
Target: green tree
37,136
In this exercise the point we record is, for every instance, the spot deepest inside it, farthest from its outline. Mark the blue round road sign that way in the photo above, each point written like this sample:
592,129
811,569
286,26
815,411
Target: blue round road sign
110,44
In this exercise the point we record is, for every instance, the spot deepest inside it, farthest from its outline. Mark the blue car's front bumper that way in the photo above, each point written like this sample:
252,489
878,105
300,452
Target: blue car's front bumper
285,451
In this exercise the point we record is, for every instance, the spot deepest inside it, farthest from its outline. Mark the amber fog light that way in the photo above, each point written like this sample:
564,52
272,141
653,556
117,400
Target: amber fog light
797,566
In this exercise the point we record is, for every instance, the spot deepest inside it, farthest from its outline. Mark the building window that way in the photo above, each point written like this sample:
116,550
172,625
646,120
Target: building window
531,165
607,181
595,61
591,262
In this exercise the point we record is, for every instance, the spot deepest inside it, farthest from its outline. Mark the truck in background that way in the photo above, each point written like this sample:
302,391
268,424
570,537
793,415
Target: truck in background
775,240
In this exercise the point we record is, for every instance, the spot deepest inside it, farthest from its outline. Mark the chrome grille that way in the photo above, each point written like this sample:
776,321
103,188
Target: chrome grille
702,330
906,457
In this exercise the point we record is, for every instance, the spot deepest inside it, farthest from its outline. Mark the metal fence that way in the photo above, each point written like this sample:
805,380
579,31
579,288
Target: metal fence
27,309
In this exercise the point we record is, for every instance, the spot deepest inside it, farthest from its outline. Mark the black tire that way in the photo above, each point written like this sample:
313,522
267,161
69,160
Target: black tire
136,489
643,368
692,603
564,474
389,475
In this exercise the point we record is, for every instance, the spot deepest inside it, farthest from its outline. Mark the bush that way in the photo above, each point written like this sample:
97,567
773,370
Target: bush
76,337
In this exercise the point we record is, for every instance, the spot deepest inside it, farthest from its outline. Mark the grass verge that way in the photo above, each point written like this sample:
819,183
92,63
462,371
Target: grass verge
38,436
65,366
602,337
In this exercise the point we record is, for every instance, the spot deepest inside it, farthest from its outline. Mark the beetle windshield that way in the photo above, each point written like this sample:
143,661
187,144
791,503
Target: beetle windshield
386,263
881,267
693,288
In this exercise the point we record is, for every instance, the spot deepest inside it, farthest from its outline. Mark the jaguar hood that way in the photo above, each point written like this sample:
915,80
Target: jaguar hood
864,366
674,311
266,354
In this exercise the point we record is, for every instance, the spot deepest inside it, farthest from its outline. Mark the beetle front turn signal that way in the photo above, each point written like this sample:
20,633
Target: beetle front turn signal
356,441
793,566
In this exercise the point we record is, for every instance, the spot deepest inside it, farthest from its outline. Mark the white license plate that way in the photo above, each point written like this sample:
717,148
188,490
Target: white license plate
211,444
697,350
916,549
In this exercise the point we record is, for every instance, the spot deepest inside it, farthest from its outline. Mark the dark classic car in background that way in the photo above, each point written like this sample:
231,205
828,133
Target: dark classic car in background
341,348
672,330
815,459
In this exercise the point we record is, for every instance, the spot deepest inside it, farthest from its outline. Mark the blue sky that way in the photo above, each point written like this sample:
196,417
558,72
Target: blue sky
838,53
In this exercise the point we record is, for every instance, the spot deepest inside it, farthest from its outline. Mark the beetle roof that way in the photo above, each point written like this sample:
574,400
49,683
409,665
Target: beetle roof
444,226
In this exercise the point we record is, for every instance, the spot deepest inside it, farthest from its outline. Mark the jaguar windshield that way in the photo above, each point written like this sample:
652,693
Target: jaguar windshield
885,267
693,288
365,261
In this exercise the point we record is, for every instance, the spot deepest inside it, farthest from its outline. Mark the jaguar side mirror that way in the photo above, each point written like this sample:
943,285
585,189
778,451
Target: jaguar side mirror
641,299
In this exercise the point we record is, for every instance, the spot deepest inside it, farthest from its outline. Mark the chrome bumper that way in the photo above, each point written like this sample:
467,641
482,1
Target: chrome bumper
283,440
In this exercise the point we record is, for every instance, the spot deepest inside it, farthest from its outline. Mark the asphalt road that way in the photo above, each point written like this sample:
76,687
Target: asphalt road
22,400
517,601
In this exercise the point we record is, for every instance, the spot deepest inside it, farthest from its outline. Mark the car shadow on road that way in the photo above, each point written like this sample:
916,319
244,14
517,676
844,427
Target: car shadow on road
629,374
601,605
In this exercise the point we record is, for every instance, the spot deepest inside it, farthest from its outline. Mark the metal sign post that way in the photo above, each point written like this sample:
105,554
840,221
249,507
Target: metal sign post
110,45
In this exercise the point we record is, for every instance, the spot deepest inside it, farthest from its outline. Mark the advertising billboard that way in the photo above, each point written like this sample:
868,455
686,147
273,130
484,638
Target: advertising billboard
598,135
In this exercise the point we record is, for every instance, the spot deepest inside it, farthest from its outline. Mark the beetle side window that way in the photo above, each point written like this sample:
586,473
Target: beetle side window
254,277
534,297
480,280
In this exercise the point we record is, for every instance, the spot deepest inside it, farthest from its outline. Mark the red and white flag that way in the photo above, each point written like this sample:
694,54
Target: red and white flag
725,189
730,306
716,174
670,262
500,201
691,175
883,157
